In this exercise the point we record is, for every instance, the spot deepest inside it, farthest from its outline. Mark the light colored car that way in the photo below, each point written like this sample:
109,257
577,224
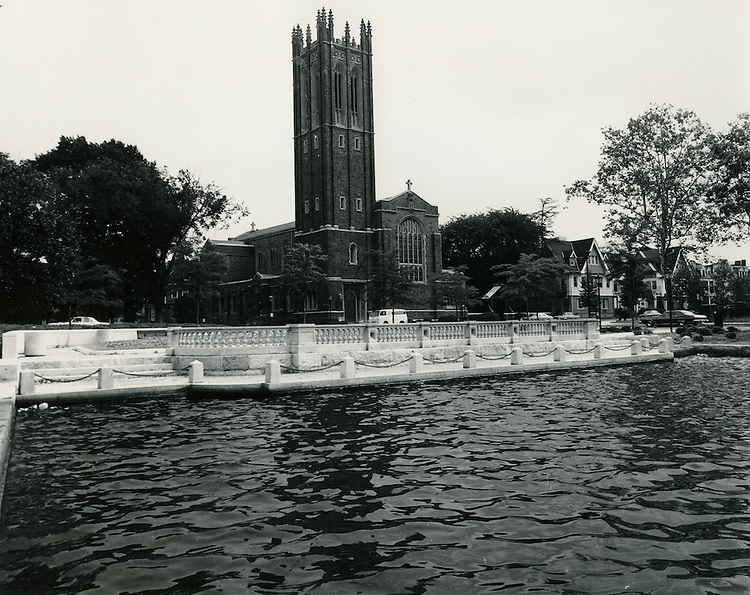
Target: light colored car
80,321
389,316
538,316
654,317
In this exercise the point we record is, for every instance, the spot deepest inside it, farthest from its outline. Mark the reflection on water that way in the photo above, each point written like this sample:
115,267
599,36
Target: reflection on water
615,480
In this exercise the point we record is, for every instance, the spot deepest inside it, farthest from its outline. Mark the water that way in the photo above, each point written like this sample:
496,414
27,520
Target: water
620,480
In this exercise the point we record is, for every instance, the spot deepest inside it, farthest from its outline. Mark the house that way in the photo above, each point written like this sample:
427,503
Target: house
587,272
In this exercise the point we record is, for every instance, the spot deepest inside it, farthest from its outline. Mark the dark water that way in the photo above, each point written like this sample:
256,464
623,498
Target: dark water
625,480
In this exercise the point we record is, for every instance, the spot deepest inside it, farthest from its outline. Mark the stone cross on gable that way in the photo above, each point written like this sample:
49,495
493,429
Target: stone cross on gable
408,185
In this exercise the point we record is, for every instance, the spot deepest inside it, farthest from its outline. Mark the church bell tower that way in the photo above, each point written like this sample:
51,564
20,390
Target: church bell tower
334,159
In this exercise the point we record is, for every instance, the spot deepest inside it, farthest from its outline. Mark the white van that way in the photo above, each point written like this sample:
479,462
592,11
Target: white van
389,316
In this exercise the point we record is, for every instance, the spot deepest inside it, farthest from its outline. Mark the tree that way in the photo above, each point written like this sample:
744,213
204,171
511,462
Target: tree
688,287
453,289
479,241
532,281
38,242
653,178
200,274
544,216
731,192
630,271
388,285
724,281
589,290
130,214
302,271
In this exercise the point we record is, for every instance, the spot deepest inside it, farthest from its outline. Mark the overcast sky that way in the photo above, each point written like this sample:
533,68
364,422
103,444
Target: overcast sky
481,103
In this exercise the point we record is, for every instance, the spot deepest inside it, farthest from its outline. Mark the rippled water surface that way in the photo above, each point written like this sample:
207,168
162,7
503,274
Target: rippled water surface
620,480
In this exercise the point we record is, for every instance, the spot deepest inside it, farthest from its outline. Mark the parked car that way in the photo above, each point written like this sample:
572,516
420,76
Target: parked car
538,316
654,317
389,316
80,321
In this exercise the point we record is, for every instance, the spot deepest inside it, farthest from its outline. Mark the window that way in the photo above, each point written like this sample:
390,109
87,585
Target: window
353,93
341,141
311,301
305,146
337,90
316,142
342,202
353,254
307,206
575,281
358,202
357,144
593,259
411,248
317,203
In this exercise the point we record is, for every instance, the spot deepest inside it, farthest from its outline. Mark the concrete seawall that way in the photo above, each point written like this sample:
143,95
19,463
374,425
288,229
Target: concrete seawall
336,370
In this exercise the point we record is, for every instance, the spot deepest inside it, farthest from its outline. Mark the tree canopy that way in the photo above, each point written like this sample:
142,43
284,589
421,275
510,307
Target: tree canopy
38,244
731,193
532,283
479,241
130,214
653,178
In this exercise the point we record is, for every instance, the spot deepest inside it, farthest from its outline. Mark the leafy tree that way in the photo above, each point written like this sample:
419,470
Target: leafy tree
37,244
544,216
532,281
724,280
453,288
590,292
201,274
480,241
687,287
388,285
630,271
130,214
652,178
731,192
302,271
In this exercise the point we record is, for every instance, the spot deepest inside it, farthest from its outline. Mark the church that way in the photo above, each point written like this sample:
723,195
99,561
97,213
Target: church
335,204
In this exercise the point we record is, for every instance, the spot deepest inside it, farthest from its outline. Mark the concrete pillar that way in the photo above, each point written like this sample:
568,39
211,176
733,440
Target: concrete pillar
273,372
470,358
665,345
35,343
348,370
559,354
195,372
645,342
105,379
687,342
516,356
635,348
10,345
416,364
26,384
599,351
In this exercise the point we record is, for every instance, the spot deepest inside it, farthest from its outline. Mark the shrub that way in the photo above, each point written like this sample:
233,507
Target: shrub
698,337
702,330
731,335
732,329
717,330
638,330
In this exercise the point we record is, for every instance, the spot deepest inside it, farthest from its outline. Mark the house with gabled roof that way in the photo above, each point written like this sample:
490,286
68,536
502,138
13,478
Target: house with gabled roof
586,264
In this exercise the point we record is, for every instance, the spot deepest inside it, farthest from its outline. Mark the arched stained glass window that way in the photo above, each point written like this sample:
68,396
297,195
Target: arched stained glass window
411,249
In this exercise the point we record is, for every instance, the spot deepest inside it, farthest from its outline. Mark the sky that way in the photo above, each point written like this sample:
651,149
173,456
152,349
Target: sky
481,104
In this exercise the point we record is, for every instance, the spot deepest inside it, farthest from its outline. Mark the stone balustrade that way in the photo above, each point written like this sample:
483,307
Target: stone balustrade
228,348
